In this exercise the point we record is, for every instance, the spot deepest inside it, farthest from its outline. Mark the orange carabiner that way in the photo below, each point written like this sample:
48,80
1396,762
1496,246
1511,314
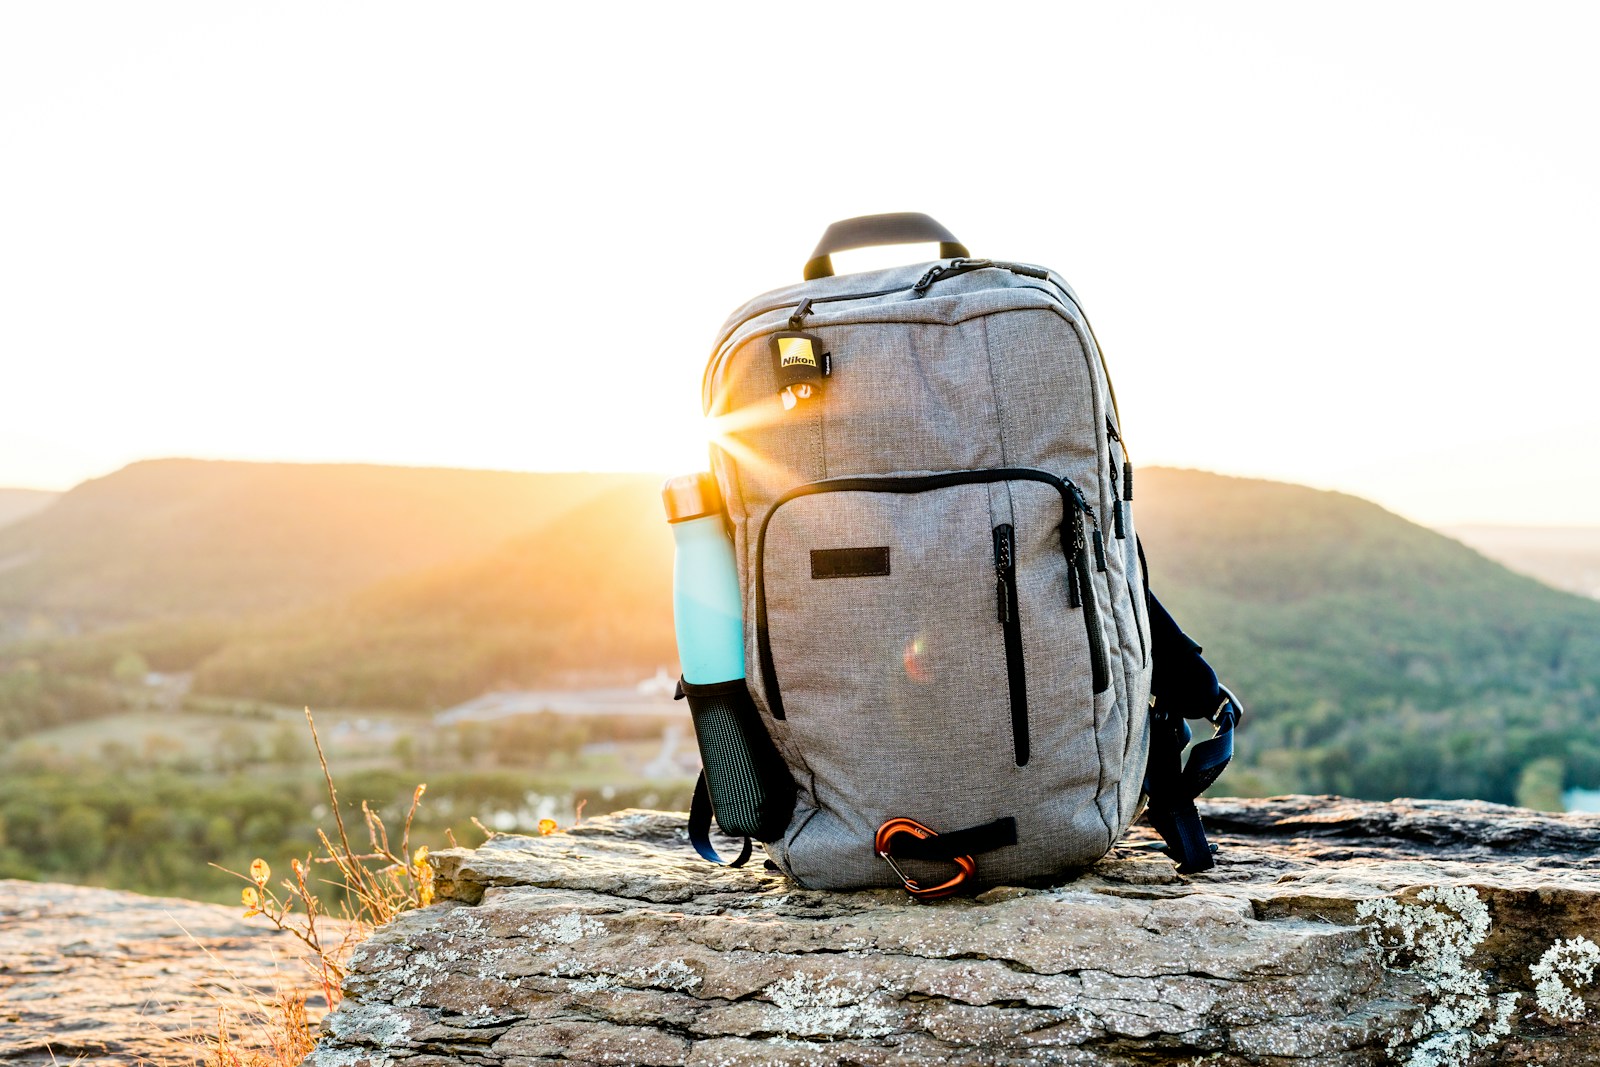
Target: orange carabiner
966,866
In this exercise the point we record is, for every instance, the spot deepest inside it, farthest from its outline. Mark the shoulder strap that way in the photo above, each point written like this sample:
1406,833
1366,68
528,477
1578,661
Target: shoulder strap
1183,686
700,827
1174,785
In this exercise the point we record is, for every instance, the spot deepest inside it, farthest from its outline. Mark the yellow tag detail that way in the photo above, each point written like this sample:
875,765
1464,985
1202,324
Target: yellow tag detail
796,350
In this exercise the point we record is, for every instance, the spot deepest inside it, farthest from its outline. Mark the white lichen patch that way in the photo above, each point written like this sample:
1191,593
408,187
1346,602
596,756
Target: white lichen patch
1428,939
568,929
326,1057
674,975
1433,939
1454,1047
375,1024
1573,960
835,1005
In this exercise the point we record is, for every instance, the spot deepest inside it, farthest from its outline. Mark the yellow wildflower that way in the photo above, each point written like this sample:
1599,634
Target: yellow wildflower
259,871
547,827
422,866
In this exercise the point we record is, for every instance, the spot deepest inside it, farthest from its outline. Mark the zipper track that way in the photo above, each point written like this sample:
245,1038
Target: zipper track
1074,507
1062,296
1005,569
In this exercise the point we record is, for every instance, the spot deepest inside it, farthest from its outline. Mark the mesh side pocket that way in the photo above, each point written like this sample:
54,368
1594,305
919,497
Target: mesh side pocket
751,790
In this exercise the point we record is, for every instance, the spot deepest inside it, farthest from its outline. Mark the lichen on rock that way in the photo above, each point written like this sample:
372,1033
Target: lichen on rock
1331,932
1434,939
1574,959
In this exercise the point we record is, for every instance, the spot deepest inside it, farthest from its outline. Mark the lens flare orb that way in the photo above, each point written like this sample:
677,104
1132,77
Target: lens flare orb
916,659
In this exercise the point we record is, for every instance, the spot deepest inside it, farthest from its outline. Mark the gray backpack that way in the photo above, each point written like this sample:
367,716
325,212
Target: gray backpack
947,631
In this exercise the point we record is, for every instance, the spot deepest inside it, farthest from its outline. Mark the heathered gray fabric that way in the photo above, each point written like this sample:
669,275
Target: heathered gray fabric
895,687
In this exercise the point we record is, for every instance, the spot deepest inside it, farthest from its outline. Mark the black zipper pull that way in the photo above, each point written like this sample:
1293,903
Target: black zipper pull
1023,269
1005,568
1127,467
929,278
800,313
1116,507
940,270
1099,550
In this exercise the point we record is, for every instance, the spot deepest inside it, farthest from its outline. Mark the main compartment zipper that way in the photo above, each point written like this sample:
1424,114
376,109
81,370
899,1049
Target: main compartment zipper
919,287
1005,576
1074,544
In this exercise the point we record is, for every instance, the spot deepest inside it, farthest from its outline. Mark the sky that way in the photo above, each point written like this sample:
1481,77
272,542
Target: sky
1352,246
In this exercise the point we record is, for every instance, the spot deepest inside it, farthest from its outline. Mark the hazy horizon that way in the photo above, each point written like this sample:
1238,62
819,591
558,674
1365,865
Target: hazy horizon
1444,527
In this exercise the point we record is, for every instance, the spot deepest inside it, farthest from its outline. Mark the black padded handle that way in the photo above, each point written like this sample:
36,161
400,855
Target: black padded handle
901,228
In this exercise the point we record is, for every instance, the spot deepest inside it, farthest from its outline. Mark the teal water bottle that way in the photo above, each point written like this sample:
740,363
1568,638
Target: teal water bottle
706,611
744,782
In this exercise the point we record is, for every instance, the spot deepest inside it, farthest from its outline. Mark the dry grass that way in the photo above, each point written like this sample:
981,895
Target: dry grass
374,884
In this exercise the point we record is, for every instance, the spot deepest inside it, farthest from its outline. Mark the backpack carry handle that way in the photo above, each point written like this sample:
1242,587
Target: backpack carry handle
867,231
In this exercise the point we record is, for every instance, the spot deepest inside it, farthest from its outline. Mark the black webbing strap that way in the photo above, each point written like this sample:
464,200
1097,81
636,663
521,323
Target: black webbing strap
700,827
968,842
1174,785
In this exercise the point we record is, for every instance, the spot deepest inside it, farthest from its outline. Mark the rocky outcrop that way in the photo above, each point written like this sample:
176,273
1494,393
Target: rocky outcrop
1330,932
97,977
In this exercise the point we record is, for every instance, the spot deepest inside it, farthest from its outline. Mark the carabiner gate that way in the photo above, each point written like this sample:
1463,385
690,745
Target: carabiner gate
966,866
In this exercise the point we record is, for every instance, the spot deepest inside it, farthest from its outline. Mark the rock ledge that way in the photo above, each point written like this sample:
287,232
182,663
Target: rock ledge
1331,932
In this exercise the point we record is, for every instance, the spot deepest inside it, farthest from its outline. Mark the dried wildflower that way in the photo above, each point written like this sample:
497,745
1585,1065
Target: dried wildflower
298,868
419,859
547,827
259,871
251,901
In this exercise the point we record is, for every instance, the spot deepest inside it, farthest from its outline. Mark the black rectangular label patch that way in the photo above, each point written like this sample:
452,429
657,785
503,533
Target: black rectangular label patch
849,562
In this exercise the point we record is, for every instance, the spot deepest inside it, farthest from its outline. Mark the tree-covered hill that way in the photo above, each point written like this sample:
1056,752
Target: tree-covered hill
169,538
586,596
1378,658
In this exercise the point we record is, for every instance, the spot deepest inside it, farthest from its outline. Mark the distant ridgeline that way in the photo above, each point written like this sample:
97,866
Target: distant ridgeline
1377,658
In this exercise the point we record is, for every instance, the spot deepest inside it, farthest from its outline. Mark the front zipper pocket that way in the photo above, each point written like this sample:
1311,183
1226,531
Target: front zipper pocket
1069,583
1005,571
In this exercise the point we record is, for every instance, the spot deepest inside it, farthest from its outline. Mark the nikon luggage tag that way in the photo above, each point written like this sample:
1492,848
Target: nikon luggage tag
799,363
